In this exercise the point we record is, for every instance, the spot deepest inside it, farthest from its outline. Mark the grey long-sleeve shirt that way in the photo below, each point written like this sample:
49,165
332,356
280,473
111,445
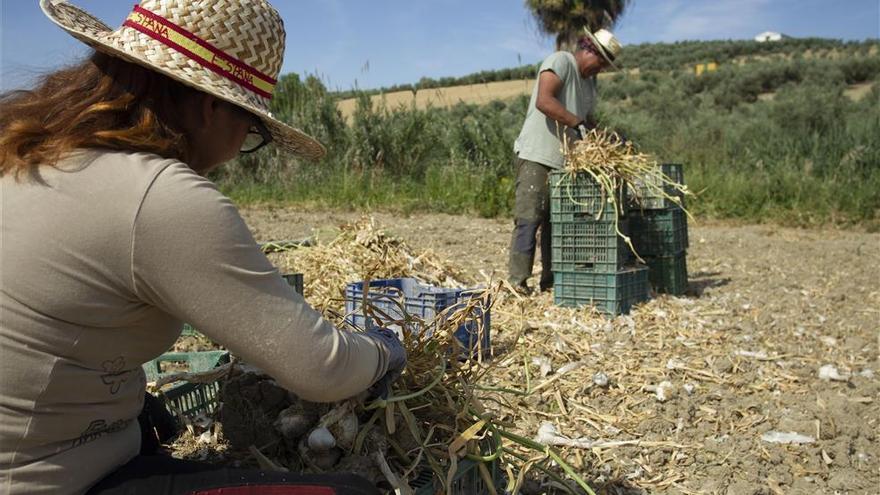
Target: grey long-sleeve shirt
100,262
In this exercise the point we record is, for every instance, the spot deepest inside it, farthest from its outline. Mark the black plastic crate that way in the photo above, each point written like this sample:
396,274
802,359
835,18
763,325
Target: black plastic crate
668,274
589,246
659,232
577,197
610,293
398,297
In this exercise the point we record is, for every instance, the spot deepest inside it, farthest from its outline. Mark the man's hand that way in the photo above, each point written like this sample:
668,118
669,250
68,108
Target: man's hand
583,129
396,355
578,132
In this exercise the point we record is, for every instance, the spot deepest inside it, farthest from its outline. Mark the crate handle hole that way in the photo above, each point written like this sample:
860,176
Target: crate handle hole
173,366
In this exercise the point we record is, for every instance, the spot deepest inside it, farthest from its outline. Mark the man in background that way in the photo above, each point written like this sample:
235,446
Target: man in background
562,107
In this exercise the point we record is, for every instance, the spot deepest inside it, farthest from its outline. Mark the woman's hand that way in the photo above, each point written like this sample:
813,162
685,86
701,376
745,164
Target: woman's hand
396,355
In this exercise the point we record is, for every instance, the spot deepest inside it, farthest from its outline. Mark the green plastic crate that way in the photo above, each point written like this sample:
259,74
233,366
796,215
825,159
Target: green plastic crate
668,274
294,280
589,246
640,197
659,232
192,362
189,331
467,479
610,293
187,399
577,198
191,399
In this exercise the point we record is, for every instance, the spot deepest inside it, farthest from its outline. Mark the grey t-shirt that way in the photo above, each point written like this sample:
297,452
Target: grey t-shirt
100,263
539,140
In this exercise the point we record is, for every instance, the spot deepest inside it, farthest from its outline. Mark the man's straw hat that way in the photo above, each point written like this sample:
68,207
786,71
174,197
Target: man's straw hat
232,50
606,43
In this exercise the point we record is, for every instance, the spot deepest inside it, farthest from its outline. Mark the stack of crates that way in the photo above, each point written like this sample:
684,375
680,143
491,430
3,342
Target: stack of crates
592,265
660,234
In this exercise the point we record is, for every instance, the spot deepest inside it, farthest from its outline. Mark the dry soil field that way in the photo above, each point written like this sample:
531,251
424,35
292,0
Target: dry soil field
767,308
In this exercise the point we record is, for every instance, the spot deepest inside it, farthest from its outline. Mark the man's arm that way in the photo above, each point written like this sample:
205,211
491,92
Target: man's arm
549,86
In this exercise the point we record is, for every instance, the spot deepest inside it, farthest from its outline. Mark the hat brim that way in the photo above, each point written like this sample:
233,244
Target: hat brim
601,49
93,32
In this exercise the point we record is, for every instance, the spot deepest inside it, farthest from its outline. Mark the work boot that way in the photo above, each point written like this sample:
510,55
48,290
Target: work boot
523,289
546,284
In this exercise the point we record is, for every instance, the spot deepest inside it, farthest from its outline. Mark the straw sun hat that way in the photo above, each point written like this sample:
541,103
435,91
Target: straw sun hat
232,50
606,43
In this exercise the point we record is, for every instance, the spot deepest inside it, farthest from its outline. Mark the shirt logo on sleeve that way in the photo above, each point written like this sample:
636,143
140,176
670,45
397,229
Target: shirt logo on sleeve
99,428
115,375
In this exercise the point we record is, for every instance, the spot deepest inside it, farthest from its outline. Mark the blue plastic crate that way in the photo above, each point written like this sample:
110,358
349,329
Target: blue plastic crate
398,297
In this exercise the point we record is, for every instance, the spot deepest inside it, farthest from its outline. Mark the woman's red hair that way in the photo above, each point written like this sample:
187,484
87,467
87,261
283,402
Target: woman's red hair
103,102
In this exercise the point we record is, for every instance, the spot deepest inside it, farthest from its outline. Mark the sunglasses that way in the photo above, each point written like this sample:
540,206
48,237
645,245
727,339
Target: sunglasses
257,137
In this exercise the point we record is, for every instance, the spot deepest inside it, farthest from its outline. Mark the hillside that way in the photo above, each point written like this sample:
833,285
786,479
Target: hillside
481,94
653,60
660,56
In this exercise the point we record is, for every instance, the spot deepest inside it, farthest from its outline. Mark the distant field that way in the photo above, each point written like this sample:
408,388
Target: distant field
446,97
481,94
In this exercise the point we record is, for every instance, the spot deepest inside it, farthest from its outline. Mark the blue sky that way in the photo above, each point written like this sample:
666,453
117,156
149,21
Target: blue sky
384,42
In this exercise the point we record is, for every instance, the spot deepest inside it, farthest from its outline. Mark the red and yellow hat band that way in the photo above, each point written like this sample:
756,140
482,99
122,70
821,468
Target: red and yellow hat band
200,51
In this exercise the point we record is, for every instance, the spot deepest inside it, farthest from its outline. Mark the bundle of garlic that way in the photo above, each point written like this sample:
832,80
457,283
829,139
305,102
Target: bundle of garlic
616,166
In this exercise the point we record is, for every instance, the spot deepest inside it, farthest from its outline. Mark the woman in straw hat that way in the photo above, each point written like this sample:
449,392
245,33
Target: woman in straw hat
111,237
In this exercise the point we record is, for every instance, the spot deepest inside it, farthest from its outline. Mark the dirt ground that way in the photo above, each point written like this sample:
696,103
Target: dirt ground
773,305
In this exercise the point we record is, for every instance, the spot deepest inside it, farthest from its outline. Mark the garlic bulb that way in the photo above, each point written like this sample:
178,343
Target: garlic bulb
321,440
292,423
345,430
